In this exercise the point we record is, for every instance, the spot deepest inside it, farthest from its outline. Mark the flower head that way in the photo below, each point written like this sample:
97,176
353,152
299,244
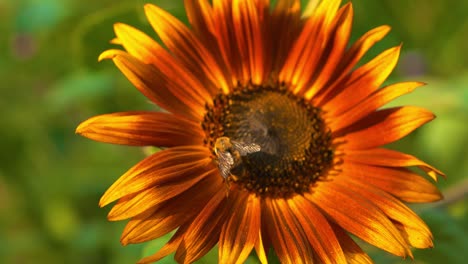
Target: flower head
272,137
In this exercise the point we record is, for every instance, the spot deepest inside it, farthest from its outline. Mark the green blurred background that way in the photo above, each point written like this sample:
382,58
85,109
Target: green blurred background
50,80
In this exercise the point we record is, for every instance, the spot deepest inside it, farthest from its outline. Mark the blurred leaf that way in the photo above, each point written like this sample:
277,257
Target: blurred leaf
442,138
438,95
60,219
78,87
450,238
42,15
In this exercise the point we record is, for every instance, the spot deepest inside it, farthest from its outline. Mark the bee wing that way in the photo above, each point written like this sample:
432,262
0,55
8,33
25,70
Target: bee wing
245,149
225,162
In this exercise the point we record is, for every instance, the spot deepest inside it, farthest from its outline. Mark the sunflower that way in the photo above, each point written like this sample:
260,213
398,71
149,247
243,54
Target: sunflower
271,136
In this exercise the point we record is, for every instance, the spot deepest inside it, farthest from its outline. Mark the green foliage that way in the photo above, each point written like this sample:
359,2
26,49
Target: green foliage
51,179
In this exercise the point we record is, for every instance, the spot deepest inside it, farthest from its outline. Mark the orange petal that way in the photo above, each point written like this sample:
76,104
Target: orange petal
325,12
201,17
188,49
288,239
225,36
149,51
204,231
142,129
338,40
161,167
285,21
140,45
362,45
414,229
373,102
132,205
264,17
260,248
417,237
171,214
351,57
116,41
248,33
318,230
359,217
152,226
362,82
352,251
304,56
385,126
155,85
310,8
402,183
168,248
390,158
240,233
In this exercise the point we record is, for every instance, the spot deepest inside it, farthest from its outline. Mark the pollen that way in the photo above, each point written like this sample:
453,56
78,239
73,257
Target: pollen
295,142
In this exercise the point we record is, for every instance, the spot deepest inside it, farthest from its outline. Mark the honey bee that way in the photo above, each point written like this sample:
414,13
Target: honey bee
229,153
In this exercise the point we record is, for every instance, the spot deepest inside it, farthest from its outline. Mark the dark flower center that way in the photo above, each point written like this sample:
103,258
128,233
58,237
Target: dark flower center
294,142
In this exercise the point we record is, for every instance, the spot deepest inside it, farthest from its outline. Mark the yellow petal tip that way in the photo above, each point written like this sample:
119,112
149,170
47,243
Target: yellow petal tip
149,7
124,241
119,28
105,200
81,129
118,25
108,54
115,41
386,28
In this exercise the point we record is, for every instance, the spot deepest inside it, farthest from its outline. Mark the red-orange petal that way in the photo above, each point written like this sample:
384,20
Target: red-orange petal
201,17
351,57
204,231
384,126
140,45
248,35
285,18
162,89
352,251
149,51
402,183
260,248
414,229
318,230
391,158
240,233
415,236
163,166
304,56
376,100
142,129
170,214
188,49
135,204
225,36
152,226
338,40
289,241
359,217
362,82
168,248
